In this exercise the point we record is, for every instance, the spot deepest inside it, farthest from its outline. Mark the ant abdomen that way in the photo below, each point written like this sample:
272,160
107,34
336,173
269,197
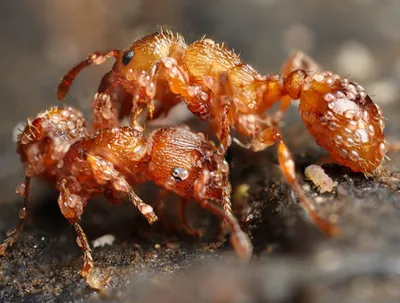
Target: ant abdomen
344,120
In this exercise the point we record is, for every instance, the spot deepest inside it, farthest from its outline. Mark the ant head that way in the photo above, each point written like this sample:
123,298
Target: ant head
47,138
184,162
145,52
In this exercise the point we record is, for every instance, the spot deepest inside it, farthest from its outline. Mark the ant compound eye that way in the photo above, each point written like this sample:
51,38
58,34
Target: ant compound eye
180,174
127,57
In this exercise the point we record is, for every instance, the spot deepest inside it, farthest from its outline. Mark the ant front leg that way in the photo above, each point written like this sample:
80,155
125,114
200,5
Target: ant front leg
225,201
104,172
144,92
197,98
287,166
239,239
96,58
23,213
223,108
111,103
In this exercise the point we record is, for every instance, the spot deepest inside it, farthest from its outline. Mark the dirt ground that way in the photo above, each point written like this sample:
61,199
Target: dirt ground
292,261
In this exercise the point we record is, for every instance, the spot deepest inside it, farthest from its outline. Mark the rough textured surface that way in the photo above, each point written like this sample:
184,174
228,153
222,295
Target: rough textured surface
293,262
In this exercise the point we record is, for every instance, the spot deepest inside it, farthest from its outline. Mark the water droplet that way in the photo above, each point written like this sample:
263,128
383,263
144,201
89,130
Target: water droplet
329,97
350,142
24,139
381,125
365,115
70,125
361,136
371,130
20,190
338,140
65,113
22,213
332,125
343,153
350,114
354,156
329,115
352,125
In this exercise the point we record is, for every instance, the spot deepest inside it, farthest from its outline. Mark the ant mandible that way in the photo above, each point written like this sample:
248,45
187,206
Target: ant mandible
216,85
56,146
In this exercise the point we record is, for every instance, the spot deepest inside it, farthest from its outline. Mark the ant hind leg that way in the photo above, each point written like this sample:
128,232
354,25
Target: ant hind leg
287,166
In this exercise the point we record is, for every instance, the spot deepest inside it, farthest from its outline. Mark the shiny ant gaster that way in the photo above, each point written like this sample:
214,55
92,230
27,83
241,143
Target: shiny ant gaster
56,146
216,85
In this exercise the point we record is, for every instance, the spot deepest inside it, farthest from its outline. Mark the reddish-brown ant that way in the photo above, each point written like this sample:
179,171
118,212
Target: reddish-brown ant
56,146
216,85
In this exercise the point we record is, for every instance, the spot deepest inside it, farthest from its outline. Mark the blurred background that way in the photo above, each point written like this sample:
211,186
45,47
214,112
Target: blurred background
42,39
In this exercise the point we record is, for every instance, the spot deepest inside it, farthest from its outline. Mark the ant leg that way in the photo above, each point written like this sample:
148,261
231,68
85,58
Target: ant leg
182,209
23,213
239,240
111,103
283,107
87,252
71,205
287,166
222,109
146,210
71,201
143,94
197,98
226,203
224,128
105,114
104,171
226,199
386,177
93,58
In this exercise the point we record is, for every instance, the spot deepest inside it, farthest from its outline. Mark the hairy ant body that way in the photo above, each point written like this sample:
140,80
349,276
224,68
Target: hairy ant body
56,146
216,85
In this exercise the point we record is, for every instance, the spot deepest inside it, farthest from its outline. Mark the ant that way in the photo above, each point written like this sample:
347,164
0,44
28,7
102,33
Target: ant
216,85
56,146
